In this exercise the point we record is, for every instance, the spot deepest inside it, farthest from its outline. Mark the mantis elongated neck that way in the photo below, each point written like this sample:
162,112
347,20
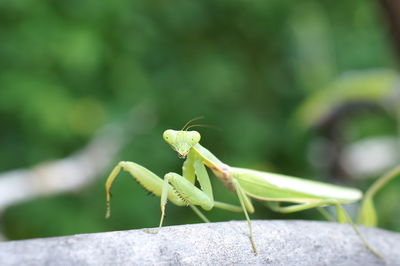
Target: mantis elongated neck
220,169
209,159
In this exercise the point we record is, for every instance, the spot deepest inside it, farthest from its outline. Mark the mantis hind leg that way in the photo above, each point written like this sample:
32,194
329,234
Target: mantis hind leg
342,216
244,202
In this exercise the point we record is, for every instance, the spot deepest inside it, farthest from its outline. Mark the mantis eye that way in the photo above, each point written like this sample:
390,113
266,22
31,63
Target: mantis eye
194,137
169,135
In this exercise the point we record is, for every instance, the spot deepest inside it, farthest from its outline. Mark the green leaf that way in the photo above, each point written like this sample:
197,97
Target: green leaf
364,85
367,215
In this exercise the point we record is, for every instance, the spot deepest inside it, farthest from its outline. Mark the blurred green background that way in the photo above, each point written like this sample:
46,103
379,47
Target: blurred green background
271,75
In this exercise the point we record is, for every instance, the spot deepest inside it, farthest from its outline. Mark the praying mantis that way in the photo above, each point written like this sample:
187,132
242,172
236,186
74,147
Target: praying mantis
246,183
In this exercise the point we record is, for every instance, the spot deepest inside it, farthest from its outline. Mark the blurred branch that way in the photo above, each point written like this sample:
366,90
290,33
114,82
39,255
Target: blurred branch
391,8
79,169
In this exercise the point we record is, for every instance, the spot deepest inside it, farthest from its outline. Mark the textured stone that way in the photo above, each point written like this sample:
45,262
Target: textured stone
278,242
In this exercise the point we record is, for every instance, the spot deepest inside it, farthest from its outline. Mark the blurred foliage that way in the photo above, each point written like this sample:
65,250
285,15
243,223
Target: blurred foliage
67,67
374,86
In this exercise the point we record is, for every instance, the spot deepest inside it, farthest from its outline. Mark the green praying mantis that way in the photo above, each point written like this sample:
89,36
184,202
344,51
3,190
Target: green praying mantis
267,187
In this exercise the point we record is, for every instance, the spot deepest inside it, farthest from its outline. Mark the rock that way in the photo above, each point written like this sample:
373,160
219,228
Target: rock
226,243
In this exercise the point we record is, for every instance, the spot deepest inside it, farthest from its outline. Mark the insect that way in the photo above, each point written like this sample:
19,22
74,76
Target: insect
269,187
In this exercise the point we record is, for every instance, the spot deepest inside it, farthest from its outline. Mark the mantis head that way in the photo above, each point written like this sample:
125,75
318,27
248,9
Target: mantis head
181,141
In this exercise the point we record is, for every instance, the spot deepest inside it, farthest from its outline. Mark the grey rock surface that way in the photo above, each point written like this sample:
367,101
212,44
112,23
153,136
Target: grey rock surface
227,243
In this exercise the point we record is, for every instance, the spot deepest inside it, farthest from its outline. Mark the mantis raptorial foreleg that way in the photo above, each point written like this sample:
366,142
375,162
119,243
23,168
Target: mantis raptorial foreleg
203,178
205,184
188,171
188,192
185,188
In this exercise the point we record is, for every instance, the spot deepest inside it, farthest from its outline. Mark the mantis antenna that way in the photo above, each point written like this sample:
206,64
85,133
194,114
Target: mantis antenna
190,121
202,125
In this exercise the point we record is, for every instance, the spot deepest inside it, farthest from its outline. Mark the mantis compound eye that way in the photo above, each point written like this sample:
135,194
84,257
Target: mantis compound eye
195,136
169,136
